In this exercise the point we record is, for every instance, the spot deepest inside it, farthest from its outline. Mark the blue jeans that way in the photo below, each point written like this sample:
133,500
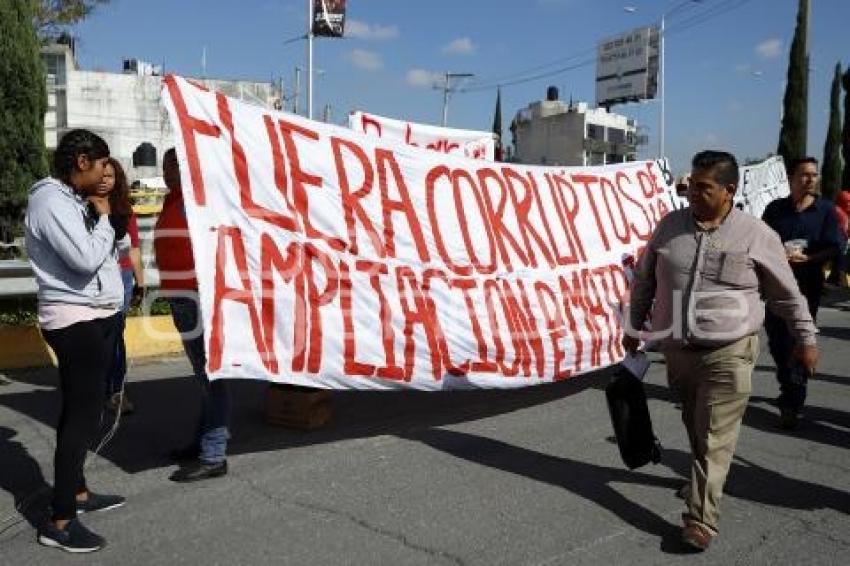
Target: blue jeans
213,431
118,370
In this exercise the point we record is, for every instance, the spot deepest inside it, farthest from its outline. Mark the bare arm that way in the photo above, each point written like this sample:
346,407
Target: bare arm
138,269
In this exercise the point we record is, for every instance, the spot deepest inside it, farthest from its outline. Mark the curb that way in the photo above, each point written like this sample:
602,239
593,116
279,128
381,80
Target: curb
144,336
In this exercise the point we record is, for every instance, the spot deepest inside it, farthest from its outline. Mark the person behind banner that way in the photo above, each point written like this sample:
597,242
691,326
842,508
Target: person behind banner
123,220
71,246
682,184
838,274
703,275
206,456
807,225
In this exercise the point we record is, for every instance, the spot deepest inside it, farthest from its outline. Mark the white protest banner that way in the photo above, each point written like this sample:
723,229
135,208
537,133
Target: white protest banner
674,200
468,143
332,259
760,184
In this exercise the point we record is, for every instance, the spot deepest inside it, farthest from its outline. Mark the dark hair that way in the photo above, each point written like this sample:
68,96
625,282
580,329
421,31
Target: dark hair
723,163
170,153
794,163
74,144
119,198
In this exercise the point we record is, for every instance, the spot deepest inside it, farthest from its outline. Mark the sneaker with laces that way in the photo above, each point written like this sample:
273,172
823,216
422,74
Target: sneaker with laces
100,502
75,537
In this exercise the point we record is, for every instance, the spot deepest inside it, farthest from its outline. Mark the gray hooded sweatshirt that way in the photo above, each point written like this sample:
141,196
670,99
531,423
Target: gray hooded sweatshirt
74,261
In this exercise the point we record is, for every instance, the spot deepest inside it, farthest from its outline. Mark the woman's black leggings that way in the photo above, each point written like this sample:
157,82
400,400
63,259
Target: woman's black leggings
84,351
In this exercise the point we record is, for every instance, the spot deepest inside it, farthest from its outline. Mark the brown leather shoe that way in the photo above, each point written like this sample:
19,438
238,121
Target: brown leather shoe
696,536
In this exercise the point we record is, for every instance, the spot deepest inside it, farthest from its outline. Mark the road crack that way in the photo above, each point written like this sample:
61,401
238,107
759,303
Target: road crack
355,520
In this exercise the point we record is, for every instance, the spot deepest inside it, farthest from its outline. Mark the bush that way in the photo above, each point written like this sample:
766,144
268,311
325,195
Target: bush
23,311
18,311
158,307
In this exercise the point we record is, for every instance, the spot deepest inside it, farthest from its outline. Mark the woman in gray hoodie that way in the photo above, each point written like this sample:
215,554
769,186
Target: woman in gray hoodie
71,246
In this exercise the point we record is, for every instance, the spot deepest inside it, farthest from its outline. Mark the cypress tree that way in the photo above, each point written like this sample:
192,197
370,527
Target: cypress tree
792,135
831,172
497,126
845,135
23,102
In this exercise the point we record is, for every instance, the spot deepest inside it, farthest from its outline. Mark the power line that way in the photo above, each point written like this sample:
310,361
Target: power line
500,80
723,7
558,71
504,79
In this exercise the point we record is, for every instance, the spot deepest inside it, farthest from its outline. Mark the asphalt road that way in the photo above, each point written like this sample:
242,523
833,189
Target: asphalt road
479,478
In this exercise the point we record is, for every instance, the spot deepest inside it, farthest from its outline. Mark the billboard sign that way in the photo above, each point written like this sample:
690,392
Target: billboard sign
328,18
627,67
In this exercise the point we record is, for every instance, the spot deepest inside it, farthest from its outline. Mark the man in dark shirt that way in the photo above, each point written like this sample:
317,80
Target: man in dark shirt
807,225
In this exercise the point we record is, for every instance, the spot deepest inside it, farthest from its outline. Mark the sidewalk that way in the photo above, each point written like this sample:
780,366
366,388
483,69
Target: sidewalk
481,477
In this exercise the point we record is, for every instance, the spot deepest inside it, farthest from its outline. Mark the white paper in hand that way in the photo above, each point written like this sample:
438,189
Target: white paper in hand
637,364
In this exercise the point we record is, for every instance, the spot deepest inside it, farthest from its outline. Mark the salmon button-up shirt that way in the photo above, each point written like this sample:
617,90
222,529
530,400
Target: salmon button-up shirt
708,288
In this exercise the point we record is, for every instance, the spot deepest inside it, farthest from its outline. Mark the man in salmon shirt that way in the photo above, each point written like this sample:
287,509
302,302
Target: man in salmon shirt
206,457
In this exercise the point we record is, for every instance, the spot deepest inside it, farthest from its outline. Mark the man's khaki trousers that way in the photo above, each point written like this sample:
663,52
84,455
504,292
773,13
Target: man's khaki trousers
713,386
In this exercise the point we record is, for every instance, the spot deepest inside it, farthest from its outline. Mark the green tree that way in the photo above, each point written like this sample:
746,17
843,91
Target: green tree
23,102
497,126
831,172
845,135
792,135
51,15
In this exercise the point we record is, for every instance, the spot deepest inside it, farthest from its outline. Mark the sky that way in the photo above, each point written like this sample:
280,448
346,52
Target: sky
726,60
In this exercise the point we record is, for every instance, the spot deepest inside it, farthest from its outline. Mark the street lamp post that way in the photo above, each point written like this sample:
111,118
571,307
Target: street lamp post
662,66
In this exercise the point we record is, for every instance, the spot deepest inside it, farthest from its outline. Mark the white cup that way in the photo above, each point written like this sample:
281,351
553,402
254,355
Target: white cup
795,247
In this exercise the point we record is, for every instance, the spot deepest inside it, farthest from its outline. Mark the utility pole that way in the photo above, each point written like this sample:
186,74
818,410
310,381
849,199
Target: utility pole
447,88
661,87
281,105
808,61
297,91
310,59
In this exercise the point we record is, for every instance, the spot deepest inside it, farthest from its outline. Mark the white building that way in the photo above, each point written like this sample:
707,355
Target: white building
124,108
553,132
